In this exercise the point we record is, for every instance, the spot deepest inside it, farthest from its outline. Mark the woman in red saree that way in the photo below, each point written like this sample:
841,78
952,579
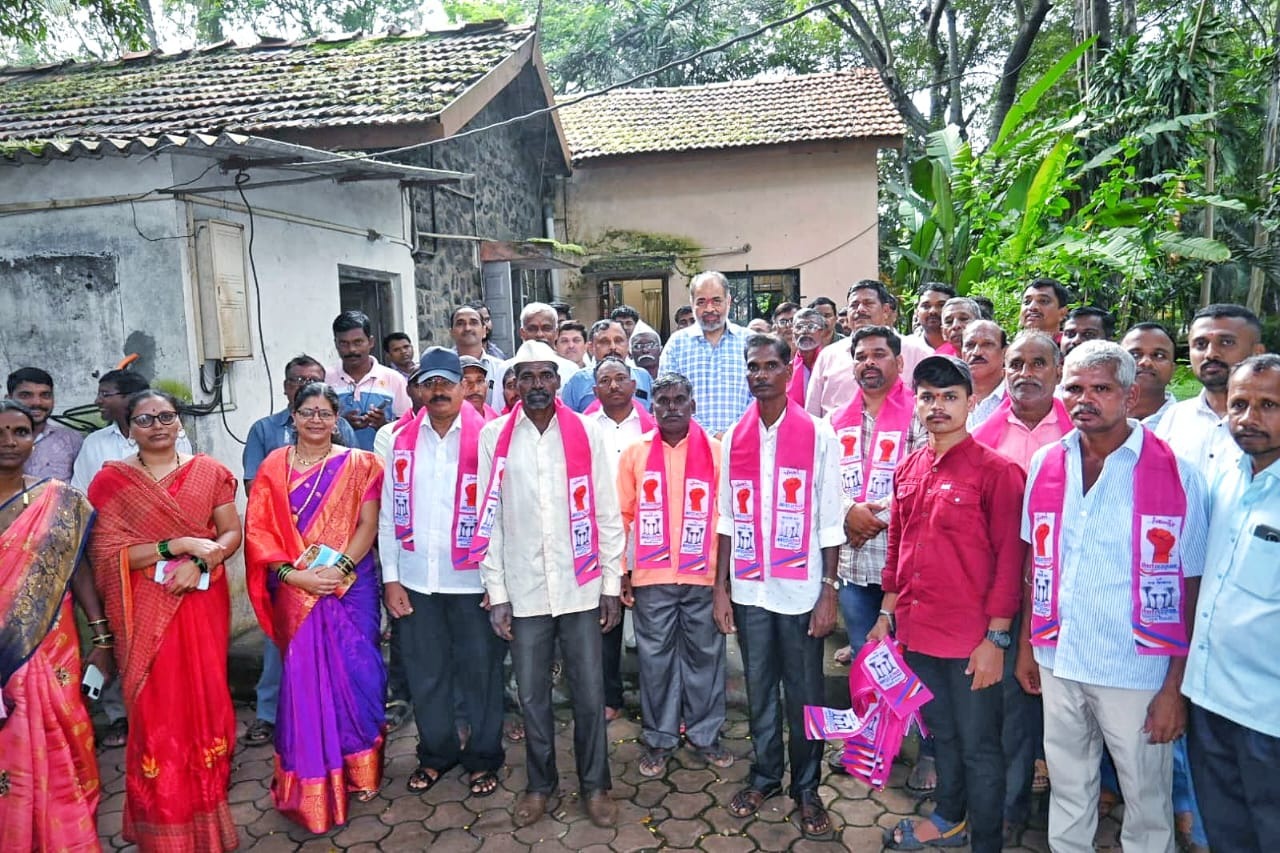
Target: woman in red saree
48,772
324,618
162,507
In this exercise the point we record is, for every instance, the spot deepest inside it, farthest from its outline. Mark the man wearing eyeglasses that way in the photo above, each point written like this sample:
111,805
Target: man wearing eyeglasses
268,434
111,444
710,354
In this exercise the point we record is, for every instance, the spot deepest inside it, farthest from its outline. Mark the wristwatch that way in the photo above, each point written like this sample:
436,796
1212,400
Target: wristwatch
834,583
1000,639
893,620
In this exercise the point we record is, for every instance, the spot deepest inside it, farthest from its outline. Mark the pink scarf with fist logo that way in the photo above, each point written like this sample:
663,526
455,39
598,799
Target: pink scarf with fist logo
653,514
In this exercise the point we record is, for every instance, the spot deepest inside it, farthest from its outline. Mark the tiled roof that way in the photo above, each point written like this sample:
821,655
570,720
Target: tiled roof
271,86
807,108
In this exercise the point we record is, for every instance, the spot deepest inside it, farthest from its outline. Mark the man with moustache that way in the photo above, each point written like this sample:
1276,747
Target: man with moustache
957,313
646,348
1221,336
807,330
398,348
780,532
1087,323
832,384
467,328
983,349
606,338
1111,596
928,314
549,542
954,616
667,492
54,454
370,394
1232,677
1153,349
876,430
475,385
1030,416
710,355
684,317
1044,305
432,588
540,322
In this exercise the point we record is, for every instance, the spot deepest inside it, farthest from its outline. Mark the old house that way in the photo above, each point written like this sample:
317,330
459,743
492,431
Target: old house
771,181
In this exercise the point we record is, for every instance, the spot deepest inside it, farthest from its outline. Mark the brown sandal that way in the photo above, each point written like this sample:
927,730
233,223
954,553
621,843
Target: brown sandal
748,801
815,823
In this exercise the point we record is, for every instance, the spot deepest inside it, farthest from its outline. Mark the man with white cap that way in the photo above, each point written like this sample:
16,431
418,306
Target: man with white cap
549,542
431,586
646,348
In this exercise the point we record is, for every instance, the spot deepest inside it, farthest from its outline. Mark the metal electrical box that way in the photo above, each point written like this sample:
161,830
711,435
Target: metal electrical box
222,291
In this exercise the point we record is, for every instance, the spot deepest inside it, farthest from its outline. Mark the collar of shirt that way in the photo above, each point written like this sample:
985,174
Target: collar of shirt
603,417
1132,444
376,370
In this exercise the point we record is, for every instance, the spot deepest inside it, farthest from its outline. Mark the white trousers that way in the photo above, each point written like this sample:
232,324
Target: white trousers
1078,720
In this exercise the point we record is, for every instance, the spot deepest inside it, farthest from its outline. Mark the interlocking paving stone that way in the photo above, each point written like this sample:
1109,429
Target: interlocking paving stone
684,809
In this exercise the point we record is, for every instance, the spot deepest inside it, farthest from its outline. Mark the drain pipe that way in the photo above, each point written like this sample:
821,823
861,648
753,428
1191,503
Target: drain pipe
549,225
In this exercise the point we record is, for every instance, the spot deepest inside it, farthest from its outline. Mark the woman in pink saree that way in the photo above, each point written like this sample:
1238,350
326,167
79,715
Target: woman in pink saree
48,772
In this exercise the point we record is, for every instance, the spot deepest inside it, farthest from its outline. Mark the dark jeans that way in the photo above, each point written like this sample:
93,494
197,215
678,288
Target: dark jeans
777,651
965,725
453,653
860,608
532,653
1022,737
397,684
611,657
1234,771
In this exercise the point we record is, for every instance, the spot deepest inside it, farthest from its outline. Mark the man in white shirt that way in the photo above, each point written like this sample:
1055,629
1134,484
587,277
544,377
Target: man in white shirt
432,587
1153,349
111,444
467,330
552,568
781,526
1221,336
540,322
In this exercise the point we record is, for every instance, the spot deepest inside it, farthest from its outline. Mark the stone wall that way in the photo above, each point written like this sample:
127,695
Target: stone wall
503,201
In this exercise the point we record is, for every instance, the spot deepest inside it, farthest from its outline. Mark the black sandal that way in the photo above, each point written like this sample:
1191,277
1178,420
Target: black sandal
484,784
420,781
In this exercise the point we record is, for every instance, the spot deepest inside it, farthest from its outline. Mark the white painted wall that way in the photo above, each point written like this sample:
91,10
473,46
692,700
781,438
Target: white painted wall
297,270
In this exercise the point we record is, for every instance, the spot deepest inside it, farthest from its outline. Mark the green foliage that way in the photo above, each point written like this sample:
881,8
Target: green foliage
28,22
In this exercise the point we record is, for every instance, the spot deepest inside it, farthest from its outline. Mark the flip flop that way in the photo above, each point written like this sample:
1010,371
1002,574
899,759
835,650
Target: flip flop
953,835
420,781
815,823
484,784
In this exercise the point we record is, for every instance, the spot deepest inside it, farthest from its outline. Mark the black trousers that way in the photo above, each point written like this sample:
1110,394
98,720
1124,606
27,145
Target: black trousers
777,652
532,652
966,729
611,658
452,656
1237,787
1023,738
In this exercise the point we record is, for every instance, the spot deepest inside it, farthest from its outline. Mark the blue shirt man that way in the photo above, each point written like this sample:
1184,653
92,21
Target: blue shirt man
605,338
369,394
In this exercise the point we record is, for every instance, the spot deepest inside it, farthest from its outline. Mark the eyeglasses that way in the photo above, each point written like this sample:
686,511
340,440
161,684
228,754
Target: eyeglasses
299,380
144,421
315,414
807,326
782,321
102,395
643,346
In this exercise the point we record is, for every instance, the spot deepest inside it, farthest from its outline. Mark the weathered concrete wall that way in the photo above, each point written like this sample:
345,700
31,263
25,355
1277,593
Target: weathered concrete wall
84,286
811,208
503,201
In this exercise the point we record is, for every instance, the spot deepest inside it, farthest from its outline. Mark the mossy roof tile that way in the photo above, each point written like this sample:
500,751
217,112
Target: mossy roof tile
803,108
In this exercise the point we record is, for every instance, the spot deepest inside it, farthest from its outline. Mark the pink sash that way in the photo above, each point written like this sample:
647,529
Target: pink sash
792,509
653,515
869,476
404,457
799,380
647,423
583,534
992,431
1158,614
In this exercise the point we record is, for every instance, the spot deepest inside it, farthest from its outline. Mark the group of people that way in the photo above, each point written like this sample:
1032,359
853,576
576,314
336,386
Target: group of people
1078,567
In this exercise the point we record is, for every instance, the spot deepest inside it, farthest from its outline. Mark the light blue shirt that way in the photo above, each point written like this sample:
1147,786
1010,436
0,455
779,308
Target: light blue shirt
718,374
1233,670
580,391
1095,597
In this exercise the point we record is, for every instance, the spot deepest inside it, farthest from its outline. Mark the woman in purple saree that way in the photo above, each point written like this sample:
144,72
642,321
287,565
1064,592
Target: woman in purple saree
325,619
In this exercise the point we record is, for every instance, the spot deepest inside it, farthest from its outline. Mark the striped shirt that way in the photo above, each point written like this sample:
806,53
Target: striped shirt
718,374
1095,645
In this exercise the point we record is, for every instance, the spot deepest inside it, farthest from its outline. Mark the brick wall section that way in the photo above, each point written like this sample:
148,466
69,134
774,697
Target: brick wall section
502,202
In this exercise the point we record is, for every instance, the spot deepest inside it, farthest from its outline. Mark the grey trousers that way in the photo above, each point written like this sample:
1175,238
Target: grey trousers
532,652
682,663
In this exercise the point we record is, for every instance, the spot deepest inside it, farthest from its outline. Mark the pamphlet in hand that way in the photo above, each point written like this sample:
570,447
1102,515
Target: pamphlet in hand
164,568
319,557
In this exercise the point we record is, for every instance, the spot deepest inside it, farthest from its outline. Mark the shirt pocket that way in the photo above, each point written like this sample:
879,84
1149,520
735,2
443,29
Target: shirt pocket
957,507
1259,569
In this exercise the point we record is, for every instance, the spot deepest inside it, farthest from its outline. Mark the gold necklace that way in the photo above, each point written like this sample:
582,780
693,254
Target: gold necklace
177,463
307,463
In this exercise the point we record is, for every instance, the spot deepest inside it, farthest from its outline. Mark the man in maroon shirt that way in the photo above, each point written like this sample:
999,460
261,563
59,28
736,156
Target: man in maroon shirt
952,584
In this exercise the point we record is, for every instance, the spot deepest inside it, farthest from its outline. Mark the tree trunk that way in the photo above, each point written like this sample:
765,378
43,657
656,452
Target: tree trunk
1018,52
149,21
1270,153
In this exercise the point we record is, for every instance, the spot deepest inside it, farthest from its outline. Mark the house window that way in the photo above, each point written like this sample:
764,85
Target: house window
646,295
373,293
757,293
